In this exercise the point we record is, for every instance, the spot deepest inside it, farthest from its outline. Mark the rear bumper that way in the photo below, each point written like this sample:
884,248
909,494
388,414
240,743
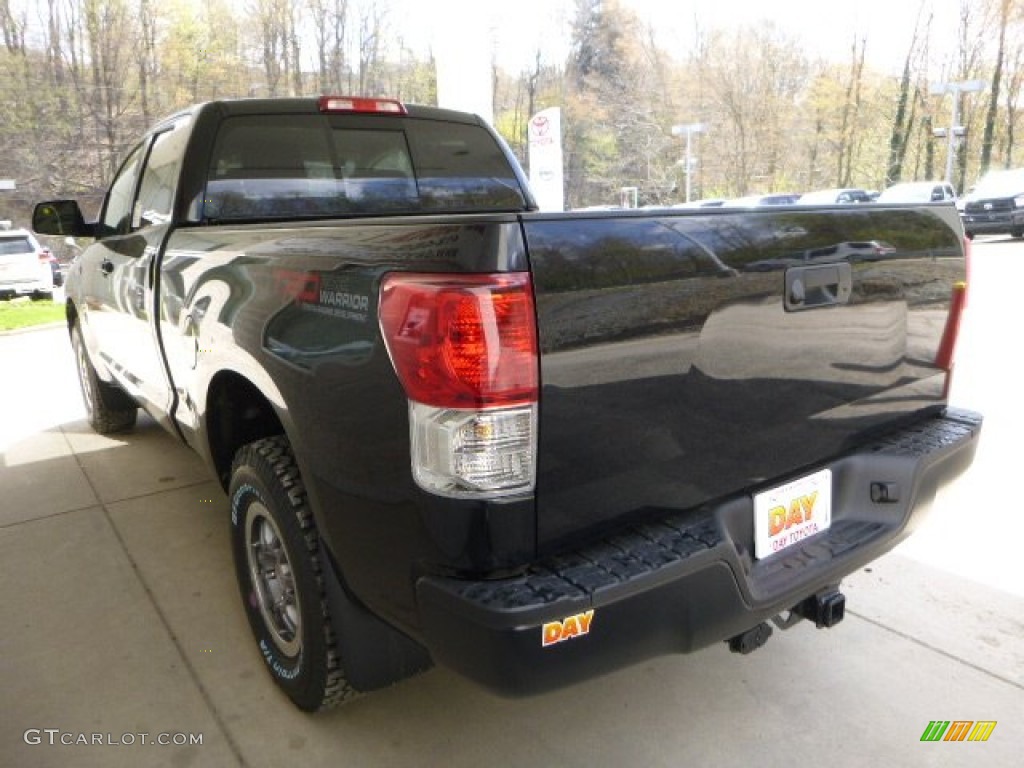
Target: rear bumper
685,581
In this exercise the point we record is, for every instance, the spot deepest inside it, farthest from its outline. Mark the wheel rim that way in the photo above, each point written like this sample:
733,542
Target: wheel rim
273,580
83,372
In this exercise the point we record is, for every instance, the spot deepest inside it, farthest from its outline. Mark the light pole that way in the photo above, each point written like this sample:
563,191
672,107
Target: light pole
955,130
688,130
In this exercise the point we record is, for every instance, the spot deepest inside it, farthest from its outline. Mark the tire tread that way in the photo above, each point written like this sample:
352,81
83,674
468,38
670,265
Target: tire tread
113,410
276,454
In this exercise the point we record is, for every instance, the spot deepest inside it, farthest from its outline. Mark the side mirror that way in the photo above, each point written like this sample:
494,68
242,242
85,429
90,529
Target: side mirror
61,217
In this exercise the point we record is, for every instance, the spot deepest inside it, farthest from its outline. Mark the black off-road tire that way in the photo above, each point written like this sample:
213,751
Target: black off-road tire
109,408
275,545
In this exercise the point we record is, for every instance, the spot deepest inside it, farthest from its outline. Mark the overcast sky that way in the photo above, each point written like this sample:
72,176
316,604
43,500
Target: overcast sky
826,27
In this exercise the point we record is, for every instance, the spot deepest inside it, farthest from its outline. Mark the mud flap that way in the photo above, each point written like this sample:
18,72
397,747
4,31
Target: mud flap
374,654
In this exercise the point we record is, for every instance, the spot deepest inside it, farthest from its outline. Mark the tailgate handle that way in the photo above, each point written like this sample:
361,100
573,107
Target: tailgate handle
821,285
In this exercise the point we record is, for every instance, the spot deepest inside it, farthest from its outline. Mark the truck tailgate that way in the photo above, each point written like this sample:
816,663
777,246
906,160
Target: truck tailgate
689,357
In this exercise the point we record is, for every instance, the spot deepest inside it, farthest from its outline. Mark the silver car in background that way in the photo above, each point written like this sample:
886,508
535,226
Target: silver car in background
26,267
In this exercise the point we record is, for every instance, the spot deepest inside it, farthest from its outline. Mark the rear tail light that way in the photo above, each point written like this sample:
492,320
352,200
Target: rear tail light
473,454
464,348
462,340
347,104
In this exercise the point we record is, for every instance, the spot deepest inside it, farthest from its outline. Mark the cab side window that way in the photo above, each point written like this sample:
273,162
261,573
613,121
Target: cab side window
117,213
160,177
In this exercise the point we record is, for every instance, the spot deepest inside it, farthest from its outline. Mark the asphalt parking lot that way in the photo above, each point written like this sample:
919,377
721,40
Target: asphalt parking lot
121,618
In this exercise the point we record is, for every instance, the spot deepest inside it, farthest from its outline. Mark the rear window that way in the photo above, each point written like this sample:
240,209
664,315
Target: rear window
13,245
294,166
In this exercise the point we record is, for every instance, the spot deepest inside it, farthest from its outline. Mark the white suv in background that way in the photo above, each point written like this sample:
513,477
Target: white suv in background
919,192
25,266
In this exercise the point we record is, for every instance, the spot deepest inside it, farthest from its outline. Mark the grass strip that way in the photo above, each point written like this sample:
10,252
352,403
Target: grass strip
25,313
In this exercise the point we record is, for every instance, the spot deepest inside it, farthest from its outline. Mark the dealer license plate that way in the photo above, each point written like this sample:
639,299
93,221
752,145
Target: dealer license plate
788,514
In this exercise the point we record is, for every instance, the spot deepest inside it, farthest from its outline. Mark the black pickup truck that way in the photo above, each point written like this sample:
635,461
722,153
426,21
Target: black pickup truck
532,447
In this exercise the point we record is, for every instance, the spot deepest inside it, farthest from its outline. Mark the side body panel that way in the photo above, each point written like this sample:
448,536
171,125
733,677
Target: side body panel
294,311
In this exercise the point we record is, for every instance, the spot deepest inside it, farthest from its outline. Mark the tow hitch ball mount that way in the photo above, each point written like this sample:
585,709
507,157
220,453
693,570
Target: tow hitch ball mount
825,609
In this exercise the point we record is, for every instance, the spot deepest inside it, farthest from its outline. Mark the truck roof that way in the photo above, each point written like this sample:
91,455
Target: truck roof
308,105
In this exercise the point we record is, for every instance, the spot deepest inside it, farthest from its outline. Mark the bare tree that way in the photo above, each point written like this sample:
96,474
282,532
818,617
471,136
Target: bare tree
753,77
849,120
330,23
1014,89
372,30
972,39
993,103
81,77
278,46
13,28
901,124
107,25
146,58
54,40
929,147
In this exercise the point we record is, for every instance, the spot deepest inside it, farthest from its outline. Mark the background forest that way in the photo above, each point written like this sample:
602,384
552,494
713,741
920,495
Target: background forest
80,79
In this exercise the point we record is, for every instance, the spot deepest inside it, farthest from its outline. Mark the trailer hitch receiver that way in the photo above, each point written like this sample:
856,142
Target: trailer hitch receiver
825,609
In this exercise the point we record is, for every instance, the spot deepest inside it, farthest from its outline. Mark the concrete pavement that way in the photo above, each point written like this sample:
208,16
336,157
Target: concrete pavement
121,618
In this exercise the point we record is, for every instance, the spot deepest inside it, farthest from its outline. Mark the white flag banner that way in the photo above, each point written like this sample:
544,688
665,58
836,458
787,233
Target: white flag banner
545,147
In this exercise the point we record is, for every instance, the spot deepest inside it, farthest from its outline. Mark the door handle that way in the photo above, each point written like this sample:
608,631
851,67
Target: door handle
818,286
106,266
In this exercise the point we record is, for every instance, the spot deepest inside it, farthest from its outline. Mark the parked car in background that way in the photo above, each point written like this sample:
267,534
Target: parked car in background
25,266
996,206
919,192
849,250
55,268
707,202
756,201
835,196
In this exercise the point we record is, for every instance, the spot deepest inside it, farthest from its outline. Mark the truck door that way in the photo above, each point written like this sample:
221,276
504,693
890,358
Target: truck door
118,271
